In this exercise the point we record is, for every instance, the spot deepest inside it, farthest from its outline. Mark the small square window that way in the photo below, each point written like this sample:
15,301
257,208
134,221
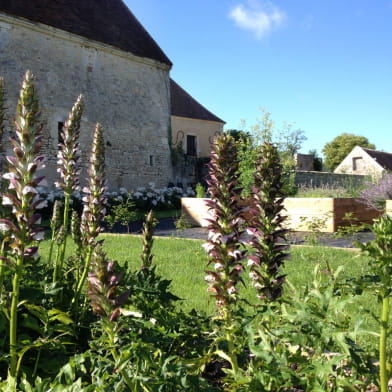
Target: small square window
357,163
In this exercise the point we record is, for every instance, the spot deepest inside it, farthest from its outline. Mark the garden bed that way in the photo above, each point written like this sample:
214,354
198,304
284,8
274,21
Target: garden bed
304,214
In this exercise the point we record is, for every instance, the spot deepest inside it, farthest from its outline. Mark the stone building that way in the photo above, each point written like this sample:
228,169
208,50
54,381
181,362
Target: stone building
193,129
192,125
304,162
99,49
365,161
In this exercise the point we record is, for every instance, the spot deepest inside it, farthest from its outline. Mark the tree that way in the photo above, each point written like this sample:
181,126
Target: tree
336,150
238,135
287,140
317,161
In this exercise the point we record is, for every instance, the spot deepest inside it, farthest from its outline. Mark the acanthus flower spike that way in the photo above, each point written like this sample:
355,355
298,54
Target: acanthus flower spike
22,195
267,226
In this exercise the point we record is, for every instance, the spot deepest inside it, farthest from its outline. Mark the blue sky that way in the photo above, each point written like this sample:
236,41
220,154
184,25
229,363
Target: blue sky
325,65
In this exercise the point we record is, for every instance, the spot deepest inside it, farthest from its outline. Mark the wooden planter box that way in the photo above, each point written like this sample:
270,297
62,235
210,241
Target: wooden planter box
195,211
329,212
388,207
325,213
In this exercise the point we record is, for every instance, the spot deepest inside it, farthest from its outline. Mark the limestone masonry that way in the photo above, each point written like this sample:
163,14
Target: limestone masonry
127,94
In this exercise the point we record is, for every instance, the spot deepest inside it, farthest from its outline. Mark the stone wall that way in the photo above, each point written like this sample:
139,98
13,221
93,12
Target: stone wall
127,94
304,162
317,179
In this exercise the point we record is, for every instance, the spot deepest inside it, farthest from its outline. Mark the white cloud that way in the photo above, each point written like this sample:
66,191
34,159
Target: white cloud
258,18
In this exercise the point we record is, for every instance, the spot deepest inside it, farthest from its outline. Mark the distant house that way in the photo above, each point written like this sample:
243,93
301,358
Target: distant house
192,125
366,162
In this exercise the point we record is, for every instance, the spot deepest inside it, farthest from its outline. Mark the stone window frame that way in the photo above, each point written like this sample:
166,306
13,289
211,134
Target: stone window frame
356,161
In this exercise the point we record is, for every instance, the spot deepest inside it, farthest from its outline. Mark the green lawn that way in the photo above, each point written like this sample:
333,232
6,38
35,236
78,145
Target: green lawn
184,262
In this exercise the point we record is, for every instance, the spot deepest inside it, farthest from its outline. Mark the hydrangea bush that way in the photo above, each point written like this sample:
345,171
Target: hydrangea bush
144,198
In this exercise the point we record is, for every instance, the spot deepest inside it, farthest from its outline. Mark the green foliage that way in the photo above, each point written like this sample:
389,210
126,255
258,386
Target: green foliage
314,225
347,189
182,223
126,331
287,140
238,135
317,161
336,150
123,213
380,252
351,226
306,343
176,151
200,191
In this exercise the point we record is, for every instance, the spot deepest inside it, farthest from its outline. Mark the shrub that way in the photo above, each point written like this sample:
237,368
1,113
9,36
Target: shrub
124,331
150,198
375,193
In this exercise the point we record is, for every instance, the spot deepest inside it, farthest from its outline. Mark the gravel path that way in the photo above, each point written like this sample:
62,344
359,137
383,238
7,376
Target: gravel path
166,228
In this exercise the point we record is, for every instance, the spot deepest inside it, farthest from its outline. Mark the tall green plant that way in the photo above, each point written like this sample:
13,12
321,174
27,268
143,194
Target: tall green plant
102,286
55,224
148,240
2,122
224,239
68,160
2,112
267,225
380,252
22,195
94,206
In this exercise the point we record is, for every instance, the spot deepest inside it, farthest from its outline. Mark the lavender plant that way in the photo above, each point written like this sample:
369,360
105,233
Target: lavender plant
68,160
267,225
148,240
94,205
375,193
22,197
225,236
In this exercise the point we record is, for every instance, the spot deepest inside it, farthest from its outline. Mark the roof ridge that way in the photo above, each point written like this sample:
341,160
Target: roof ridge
184,105
107,21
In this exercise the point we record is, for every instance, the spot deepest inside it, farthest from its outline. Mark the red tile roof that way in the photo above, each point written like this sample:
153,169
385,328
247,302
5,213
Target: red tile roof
107,21
382,158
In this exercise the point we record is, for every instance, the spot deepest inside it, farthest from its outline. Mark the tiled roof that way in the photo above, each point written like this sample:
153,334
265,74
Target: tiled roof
183,105
382,158
107,21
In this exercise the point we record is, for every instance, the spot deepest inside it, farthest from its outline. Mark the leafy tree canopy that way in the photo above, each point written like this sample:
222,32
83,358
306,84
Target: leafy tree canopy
286,138
239,135
336,150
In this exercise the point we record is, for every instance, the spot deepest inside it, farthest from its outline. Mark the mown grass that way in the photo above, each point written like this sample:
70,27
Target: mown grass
184,262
